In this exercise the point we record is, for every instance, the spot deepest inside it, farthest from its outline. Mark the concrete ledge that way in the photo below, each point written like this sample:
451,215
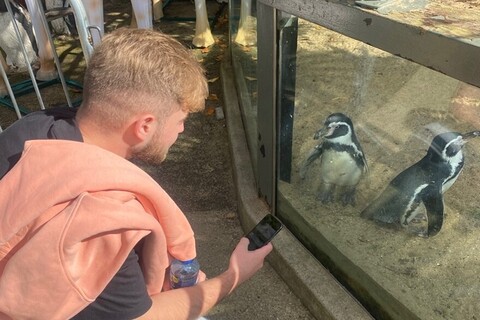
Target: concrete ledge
318,290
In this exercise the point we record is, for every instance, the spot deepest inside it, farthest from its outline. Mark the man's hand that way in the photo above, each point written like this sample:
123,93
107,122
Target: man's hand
244,264
192,302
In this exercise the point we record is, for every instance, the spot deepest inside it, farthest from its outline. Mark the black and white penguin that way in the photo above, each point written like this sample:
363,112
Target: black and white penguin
419,189
342,160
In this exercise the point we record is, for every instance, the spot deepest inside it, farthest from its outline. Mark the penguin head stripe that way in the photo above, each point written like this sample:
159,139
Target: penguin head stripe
453,147
341,133
445,146
338,129
454,156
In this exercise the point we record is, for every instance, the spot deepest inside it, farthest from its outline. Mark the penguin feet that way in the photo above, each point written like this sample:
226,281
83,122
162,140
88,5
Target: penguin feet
418,226
326,192
418,231
329,192
325,197
348,198
420,218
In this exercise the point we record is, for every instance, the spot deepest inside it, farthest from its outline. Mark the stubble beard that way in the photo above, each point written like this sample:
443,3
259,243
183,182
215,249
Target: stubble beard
152,154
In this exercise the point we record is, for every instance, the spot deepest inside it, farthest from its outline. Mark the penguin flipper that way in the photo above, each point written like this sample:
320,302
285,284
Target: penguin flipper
365,164
314,154
433,201
361,161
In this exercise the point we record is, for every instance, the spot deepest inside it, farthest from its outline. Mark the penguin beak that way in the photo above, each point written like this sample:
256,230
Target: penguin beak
325,132
470,135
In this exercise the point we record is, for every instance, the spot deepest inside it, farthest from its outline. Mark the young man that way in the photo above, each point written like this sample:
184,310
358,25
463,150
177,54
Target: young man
84,233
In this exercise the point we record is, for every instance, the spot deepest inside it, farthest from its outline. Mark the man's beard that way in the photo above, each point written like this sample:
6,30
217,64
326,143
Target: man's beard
153,153
153,159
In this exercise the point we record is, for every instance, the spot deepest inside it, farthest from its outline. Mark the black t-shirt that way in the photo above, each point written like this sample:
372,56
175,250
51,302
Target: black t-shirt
125,297
58,123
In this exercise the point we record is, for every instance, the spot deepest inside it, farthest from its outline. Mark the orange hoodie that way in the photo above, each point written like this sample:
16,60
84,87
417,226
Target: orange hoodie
70,213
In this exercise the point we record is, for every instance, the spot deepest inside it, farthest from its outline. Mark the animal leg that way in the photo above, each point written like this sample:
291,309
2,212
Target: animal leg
348,196
246,35
47,69
142,10
157,10
203,35
326,192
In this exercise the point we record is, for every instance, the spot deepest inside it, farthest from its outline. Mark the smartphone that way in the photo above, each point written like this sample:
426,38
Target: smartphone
263,232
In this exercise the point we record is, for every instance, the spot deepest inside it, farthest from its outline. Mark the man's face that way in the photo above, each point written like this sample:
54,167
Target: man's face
164,137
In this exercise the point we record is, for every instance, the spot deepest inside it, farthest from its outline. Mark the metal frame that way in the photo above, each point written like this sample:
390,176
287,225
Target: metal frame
266,114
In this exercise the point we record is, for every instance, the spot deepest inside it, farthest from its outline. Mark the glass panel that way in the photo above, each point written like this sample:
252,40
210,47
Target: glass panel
405,241
243,40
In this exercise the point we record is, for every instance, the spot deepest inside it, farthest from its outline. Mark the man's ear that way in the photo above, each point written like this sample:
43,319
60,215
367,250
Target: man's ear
144,127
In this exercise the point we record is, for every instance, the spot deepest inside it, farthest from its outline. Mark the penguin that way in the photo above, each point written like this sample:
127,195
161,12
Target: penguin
342,161
419,189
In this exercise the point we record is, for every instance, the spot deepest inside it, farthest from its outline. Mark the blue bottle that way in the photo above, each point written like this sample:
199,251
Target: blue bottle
184,273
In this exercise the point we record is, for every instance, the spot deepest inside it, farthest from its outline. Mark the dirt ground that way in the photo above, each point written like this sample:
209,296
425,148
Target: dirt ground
396,107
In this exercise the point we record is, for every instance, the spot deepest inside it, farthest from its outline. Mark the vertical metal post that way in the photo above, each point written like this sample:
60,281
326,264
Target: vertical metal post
266,117
287,59
55,55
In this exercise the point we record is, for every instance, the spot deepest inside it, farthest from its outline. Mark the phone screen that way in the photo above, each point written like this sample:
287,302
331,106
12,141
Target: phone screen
263,232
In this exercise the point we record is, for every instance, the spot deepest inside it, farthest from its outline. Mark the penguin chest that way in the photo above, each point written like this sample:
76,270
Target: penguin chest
339,168
450,182
455,169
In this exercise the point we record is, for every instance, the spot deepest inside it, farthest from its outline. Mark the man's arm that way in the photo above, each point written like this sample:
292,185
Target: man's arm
193,302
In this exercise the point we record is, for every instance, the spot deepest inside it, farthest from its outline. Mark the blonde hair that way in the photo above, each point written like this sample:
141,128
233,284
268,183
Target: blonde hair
139,70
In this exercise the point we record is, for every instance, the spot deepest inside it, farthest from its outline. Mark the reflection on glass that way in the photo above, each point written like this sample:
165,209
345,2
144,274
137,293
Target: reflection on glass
243,33
385,151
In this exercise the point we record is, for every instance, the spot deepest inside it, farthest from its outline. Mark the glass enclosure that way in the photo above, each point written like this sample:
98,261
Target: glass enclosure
375,152
396,108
